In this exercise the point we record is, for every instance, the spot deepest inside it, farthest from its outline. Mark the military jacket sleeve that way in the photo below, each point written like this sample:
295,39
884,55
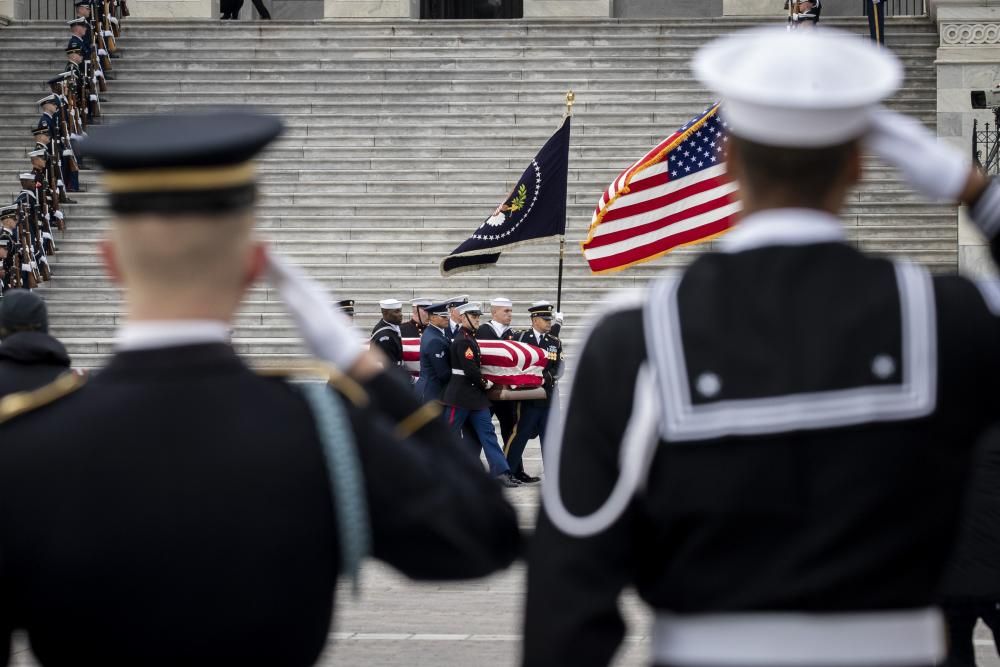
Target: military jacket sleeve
425,528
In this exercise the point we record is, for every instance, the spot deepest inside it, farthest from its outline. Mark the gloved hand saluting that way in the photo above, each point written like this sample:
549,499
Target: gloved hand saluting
934,169
327,332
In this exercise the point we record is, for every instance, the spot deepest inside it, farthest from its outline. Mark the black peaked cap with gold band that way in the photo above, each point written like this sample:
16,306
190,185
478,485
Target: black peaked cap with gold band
181,163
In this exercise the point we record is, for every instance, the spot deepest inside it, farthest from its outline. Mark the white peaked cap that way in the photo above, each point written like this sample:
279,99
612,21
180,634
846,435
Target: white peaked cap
390,304
541,303
421,301
41,152
501,302
472,306
799,88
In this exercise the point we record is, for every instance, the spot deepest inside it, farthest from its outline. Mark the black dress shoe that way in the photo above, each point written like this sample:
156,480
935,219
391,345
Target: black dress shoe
525,478
66,200
507,480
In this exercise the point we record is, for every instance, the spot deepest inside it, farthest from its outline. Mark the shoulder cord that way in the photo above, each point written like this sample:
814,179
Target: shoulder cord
635,457
347,480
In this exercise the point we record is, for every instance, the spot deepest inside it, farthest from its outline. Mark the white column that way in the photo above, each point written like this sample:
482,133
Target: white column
570,9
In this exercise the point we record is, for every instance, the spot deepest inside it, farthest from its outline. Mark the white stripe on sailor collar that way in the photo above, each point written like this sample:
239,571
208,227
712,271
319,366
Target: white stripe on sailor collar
783,227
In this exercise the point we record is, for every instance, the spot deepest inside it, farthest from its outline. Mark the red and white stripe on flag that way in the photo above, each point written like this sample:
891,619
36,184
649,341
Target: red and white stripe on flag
504,361
676,194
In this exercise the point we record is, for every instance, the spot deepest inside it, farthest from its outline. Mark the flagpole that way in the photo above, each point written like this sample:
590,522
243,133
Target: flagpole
570,100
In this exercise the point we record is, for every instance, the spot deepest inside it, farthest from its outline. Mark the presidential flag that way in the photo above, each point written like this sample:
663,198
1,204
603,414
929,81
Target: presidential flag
505,362
675,195
534,210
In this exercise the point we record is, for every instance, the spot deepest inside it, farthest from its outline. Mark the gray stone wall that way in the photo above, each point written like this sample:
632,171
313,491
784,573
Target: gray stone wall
968,59
632,9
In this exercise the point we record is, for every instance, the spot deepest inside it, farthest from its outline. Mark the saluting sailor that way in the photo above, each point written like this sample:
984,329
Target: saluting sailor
773,445
385,334
209,508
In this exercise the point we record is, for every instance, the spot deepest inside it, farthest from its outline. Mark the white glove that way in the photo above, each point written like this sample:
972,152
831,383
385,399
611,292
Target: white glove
559,316
489,384
58,214
934,169
327,333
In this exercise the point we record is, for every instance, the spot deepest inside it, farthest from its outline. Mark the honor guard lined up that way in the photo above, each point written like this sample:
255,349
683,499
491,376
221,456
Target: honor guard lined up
210,509
772,446
73,102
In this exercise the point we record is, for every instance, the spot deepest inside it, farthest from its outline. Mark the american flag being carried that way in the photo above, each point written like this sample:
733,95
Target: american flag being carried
677,194
504,362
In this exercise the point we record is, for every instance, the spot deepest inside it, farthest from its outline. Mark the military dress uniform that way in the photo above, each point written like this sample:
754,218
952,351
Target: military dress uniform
435,363
415,328
504,411
202,512
532,416
386,337
465,400
772,446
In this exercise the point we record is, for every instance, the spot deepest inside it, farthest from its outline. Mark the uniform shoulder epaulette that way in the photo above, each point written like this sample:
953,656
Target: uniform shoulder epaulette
21,402
344,384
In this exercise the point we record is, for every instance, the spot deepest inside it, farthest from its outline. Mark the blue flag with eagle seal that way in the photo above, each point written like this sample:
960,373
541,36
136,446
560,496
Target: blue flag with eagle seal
534,210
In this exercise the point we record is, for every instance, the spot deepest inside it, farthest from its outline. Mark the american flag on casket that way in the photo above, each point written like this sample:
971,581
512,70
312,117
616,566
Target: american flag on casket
504,361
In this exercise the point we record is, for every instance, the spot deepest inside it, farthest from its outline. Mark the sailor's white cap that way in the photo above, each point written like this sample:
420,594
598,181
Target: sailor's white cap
390,304
473,307
800,88
26,176
421,301
41,152
501,302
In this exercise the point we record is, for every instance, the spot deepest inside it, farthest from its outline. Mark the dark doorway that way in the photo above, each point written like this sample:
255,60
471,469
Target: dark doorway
471,9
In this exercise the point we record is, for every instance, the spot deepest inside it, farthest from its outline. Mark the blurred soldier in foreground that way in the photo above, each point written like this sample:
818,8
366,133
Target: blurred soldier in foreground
29,356
414,328
972,588
751,443
179,509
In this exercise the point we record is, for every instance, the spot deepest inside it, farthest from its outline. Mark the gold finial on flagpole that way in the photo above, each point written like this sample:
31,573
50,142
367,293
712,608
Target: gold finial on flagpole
570,100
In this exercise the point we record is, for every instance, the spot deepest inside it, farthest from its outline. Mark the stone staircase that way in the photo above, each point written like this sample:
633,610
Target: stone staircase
403,136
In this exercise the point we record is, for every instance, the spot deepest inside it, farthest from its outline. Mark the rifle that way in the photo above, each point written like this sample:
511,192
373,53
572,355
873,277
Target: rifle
26,254
47,210
11,272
